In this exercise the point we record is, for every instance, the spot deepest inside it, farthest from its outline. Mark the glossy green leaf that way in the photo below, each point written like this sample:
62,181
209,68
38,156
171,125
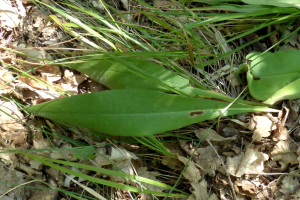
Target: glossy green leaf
272,76
136,73
135,112
278,3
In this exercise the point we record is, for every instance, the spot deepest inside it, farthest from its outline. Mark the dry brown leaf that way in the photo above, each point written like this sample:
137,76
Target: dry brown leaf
44,195
6,79
9,159
296,196
11,16
142,171
261,127
289,185
10,175
192,173
163,4
39,142
286,146
12,130
22,90
212,135
285,158
245,188
33,83
200,192
172,163
120,157
233,79
63,154
249,163
208,160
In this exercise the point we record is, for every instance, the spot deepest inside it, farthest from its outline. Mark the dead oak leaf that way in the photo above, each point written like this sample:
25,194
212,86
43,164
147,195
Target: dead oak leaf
289,185
245,188
212,135
199,192
250,162
284,146
261,127
192,173
208,160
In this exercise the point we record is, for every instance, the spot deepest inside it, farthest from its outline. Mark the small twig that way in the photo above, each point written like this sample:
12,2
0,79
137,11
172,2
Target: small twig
227,174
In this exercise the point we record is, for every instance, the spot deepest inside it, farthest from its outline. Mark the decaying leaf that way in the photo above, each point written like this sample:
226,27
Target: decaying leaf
245,188
10,175
249,163
172,163
11,16
192,173
261,127
208,160
200,192
212,135
119,157
143,171
289,185
287,146
284,159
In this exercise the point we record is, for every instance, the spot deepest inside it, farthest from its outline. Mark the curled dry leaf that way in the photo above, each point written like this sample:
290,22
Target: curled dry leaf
212,135
284,153
249,163
245,188
261,127
284,159
192,173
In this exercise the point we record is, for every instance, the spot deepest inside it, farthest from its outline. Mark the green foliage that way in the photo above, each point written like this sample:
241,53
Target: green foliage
50,162
121,72
134,112
278,3
274,76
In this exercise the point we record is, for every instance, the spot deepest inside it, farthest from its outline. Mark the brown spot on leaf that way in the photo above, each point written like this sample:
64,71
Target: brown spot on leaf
196,113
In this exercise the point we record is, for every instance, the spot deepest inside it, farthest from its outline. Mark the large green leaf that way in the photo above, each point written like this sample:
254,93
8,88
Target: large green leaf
119,72
137,74
272,76
134,112
278,3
